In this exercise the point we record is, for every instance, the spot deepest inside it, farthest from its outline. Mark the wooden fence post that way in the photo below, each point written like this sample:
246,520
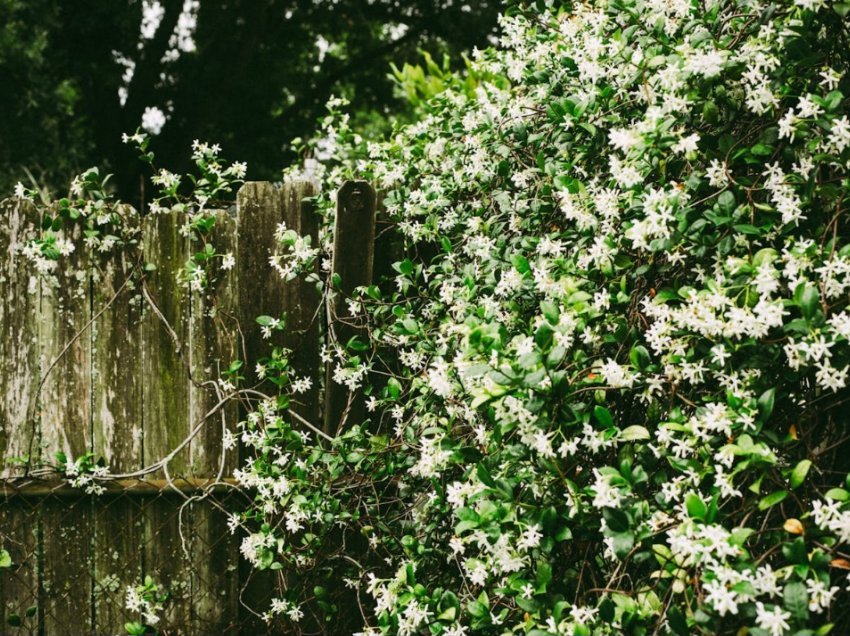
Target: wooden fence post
353,257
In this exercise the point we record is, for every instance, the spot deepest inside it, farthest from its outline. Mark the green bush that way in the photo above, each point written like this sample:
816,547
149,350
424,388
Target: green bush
606,385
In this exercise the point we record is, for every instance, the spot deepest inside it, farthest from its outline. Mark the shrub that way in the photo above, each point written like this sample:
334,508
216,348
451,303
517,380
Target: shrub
606,383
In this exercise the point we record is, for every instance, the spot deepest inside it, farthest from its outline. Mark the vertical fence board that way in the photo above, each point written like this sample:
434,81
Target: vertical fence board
260,289
67,576
301,301
165,559
18,338
117,426
354,245
214,339
165,332
66,358
117,560
259,211
215,572
213,346
19,584
66,425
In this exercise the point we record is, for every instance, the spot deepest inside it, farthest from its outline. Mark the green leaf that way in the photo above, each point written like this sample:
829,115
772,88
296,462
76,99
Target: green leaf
837,494
795,598
798,475
677,621
772,499
765,403
5,559
617,520
603,416
639,357
550,311
695,506
134,629
623,544
807,298
393,388
633,433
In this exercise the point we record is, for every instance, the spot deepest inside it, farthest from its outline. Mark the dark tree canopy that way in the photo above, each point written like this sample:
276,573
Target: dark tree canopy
258,77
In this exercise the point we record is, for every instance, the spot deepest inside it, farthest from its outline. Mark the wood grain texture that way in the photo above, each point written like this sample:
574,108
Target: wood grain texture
66,348
66,426
165,332
214,344
354,246
259,211
301,302
19,357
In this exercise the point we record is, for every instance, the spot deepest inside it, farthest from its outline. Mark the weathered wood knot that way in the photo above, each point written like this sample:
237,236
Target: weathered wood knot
356,199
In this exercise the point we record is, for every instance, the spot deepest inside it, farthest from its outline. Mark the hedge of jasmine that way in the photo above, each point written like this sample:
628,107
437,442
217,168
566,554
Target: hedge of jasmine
607,383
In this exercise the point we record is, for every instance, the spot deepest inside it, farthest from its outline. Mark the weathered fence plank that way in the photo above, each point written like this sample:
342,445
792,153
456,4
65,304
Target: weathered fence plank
117,358
67,532
302,302
66,423
215,572
259,211
354,245
66,426
117,424
214,345
165,364
167,557
259,207
165,332
19,372
118,541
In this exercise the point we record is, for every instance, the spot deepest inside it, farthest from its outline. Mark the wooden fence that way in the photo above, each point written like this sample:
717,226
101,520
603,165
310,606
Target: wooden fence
119,359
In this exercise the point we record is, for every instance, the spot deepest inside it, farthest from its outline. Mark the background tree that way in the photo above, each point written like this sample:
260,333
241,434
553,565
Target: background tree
250,74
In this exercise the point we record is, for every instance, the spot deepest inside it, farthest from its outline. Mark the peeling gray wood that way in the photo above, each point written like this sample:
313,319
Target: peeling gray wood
66,426
302,300
19,373
259,206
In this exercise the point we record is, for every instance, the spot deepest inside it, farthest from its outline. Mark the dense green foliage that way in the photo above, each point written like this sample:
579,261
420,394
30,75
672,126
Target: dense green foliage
606,384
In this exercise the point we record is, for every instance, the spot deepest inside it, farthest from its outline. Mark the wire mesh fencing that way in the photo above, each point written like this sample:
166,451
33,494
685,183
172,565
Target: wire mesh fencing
75,555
